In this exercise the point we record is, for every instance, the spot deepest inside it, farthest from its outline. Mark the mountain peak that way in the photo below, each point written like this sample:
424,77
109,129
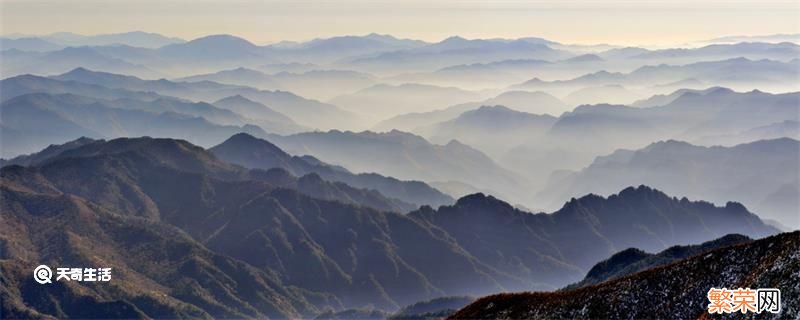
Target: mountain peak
82,74
495,108
248,141
237,98
173,153
79,70
453,39
480,200
639,191
222,39
249,151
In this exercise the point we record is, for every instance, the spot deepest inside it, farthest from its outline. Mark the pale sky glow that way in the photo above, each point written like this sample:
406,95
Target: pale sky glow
575,21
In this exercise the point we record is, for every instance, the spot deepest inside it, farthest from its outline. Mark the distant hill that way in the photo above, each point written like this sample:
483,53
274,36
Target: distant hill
763,175
405,156
29,44
133,39
735,72
479,128
51,151
268,119
318,84
306,112
612,94
33,121
380,101
747,50
251,152
480,75
630,261
65,59
219,47
774,38
239,76
335,49
673,291
457,50
585,230
524,101
713,116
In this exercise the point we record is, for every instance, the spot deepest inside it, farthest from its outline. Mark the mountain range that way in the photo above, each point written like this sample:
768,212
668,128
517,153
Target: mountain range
763,174
318,84
133,39
479,128
251,152
525,101
306,112
457,50
578,136
376,177
405,156
377,102
34,120
190,235
737,73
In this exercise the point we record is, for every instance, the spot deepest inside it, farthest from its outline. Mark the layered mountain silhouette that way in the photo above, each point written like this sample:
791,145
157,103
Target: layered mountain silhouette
260,114
379,101
51,151
632,260
224,178
405,156
682,287
713,116
524,101
29,44
748,50
618,87
457,50
251,152
35,120
26,84
190,235
318,84
502,73
692,114
208,53
307,112
595,227
479,128
65,59
763,174
310,182
133,39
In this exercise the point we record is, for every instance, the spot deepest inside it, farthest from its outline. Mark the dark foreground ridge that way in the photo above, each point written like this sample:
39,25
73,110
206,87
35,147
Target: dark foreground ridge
675,291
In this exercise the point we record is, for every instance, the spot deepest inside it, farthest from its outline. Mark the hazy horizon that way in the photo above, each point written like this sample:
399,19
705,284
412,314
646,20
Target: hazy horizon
264,22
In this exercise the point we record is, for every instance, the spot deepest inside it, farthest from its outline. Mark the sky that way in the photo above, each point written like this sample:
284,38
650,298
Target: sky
661,22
